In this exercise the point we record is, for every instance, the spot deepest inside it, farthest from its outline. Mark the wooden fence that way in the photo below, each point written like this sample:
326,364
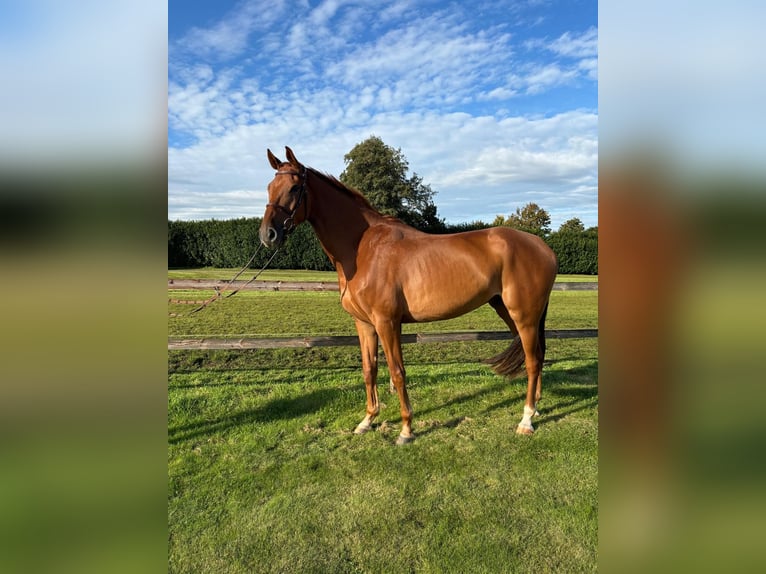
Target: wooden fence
179,344
178,284
186,343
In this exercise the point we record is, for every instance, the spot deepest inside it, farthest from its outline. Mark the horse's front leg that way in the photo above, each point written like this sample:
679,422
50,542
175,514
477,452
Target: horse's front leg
368,342
391,338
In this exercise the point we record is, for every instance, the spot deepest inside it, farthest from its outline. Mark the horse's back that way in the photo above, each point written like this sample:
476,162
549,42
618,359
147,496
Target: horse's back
514,250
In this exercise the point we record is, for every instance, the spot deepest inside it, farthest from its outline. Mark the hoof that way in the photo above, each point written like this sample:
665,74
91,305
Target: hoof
404,439
527,430
362,428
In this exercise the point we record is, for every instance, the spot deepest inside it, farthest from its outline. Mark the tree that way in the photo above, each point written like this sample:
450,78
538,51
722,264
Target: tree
573,225
380,173
530,218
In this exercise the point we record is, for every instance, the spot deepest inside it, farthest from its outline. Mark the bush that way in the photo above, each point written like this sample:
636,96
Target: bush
231,243
577,252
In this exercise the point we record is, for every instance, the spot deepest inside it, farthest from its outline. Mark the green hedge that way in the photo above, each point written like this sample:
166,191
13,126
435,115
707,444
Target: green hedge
576,252
230,243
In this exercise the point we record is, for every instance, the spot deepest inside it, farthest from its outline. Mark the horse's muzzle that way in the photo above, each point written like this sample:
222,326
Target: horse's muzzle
272,236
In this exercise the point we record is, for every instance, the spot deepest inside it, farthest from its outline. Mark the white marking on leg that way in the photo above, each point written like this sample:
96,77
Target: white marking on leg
364,426
526,420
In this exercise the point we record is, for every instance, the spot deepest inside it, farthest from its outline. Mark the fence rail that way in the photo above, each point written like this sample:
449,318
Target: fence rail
178,284
190,344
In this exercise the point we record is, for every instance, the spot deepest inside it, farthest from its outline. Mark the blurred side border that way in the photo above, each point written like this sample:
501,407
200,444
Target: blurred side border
682,201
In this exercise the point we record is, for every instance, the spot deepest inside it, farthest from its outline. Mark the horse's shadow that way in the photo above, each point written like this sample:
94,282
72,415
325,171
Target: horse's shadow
565,400
274,410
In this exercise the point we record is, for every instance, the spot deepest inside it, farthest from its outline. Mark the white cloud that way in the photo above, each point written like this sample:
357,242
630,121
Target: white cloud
584,45
431,59
501,93
589,66
324,12
394,10
230,35
545,77
218,205
577,57
507,161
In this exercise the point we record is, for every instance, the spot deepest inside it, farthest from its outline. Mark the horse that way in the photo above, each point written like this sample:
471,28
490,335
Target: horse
390,273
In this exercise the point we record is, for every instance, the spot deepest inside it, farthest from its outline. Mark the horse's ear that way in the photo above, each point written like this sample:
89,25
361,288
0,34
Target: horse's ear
275,163
291,157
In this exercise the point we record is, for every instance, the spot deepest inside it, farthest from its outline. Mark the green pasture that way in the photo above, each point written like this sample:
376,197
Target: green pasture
265,474
254,313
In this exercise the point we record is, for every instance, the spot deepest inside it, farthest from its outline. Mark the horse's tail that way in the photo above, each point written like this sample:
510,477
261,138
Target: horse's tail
509,363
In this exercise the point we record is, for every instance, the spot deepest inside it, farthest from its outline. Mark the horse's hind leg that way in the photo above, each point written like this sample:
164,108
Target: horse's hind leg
533,360
368,342
497,304
530,408
391,339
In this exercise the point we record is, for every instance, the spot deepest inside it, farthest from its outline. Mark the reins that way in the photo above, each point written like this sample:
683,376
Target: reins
220,292
287,229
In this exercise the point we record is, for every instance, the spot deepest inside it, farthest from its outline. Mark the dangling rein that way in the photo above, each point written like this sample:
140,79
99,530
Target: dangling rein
290,218
220,292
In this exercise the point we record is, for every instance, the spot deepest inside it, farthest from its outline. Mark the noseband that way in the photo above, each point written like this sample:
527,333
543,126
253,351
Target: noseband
289,222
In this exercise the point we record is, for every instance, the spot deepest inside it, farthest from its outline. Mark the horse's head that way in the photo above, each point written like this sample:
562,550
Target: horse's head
288,204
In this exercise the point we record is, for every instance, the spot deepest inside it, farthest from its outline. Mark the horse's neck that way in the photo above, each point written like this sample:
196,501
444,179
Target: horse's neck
339,225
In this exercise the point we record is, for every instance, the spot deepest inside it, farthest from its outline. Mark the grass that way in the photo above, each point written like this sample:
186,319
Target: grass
257,313
265,475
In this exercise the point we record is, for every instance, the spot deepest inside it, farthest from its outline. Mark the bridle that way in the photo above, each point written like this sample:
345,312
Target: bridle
289,222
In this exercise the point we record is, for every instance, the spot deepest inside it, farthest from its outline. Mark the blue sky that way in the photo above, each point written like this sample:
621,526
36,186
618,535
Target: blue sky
493,103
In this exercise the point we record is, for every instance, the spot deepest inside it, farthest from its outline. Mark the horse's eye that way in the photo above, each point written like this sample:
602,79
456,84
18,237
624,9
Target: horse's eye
294,189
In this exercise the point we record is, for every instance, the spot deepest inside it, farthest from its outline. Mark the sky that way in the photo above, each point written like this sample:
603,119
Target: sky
494,104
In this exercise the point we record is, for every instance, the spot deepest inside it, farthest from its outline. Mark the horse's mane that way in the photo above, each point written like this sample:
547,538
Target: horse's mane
354,194
340,186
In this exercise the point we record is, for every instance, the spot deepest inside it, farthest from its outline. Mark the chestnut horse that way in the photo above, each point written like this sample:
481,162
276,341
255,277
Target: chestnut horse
390,273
